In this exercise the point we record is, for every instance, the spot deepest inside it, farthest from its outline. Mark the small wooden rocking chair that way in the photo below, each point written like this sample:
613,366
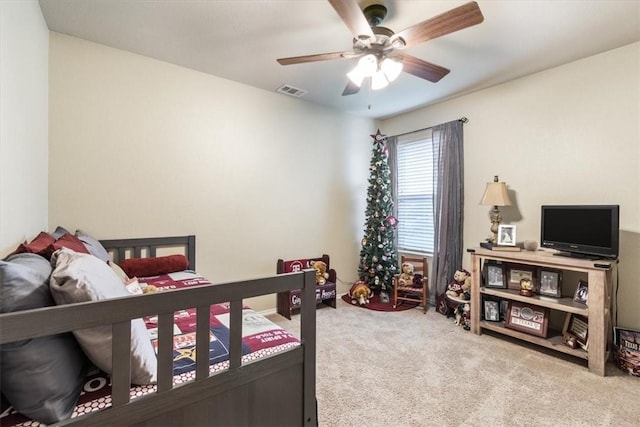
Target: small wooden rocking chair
412,292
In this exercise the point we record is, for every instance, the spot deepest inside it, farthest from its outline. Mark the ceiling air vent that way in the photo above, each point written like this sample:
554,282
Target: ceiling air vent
291,91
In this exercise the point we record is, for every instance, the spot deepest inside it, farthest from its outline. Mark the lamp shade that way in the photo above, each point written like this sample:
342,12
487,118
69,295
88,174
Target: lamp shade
496,194
367,66
379,81
391,68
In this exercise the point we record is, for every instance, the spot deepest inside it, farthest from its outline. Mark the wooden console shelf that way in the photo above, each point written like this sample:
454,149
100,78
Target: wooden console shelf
599,277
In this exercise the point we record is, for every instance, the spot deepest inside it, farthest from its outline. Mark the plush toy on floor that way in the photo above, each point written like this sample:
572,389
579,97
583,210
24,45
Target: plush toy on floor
406,277
321,272
360,293
460,286
462,315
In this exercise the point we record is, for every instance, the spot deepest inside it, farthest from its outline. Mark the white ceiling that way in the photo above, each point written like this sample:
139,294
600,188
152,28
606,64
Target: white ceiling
240,40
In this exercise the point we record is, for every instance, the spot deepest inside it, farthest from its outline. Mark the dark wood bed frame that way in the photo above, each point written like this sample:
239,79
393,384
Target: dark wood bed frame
275,391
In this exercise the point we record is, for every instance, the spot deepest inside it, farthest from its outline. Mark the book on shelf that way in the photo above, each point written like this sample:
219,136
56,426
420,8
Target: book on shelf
492,247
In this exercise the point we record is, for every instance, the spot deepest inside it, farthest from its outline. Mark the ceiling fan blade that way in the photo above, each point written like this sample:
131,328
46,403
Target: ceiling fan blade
351,88
317,57
352,15
461,17
423,69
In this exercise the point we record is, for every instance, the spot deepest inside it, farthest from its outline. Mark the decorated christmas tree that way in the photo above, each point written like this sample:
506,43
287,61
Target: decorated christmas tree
378,258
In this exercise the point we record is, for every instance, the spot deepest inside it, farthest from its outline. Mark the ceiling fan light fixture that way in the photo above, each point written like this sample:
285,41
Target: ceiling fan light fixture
379,81
391,68
367,66
356,76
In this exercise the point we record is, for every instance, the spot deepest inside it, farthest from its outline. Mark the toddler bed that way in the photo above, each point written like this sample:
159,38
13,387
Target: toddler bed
256,373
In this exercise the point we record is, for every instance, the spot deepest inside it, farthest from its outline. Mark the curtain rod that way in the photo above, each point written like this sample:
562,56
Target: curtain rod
461,119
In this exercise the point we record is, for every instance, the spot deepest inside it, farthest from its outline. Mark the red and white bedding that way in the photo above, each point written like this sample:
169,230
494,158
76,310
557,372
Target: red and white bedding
261,338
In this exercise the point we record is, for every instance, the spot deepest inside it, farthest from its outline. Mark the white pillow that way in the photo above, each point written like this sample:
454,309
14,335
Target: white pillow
83,277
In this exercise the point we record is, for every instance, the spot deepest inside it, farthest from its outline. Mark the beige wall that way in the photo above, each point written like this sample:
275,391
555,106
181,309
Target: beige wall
140,147
568,135
24,74
126,132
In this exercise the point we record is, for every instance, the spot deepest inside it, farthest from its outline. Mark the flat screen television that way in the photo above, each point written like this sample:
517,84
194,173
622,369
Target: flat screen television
587,231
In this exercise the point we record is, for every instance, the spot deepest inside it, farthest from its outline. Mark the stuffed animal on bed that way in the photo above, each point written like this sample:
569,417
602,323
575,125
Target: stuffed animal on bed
321,272
460,286
360,293
406,277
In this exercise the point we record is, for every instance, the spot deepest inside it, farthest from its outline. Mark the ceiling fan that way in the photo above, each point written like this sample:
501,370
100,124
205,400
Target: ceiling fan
380,49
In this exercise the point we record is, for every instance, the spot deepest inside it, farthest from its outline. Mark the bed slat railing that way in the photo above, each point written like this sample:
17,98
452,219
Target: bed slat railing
121,357
308,339
147,247
202,341
35,323
165,352
235,340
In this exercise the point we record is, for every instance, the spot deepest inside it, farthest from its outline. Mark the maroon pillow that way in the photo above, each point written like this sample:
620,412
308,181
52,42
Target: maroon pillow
145,267
68,241
38,245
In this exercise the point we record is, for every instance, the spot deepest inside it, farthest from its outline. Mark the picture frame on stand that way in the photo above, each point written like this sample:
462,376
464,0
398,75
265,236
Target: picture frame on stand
493,275
531,319
517,272
576,326
492,311
582,293
550,281
506,235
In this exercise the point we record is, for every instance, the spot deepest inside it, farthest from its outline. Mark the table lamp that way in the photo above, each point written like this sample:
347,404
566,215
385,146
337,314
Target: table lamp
495,194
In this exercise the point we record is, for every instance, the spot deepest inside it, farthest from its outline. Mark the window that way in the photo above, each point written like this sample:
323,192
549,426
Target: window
415,192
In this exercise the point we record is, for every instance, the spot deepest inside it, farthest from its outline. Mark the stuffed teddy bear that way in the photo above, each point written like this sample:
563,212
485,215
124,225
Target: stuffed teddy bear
360,293
406,277
460,286
321,272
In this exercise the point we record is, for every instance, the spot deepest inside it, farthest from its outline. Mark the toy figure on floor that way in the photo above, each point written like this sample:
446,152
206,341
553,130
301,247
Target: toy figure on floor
360,293
462,315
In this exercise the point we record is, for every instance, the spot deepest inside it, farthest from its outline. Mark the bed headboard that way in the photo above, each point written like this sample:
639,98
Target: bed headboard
122,249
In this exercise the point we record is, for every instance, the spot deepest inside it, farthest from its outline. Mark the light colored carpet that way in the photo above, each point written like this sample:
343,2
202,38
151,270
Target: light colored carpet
413,369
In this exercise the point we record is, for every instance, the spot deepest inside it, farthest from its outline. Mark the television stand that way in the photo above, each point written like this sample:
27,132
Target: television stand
600,277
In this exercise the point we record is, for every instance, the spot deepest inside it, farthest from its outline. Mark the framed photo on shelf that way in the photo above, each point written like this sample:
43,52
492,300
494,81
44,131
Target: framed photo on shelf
517,272
504,307
492,311
582,292
494,275
527,318
550,282
506,235
578,327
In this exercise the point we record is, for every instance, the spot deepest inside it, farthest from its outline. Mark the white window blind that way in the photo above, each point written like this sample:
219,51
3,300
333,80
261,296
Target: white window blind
415,192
